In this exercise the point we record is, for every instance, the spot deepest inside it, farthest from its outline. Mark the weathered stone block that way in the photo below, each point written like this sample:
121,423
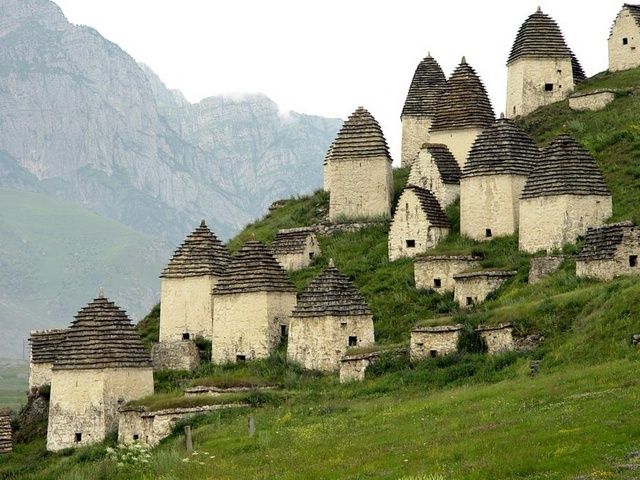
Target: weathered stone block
437,272
541,267
473,288
594,100
434,341
176,355
498,339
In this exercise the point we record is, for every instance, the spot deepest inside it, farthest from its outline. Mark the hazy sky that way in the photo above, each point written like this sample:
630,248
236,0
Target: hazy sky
330,56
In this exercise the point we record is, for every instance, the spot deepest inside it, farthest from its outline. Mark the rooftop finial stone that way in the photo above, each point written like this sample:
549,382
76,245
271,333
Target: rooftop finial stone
539,10
463,61
203,223
331,264
100,292
252,237
501,115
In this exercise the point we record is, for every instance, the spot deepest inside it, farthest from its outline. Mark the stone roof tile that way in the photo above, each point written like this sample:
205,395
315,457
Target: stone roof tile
565,168
293,240
359,138
539,36
5,432
44,344
430,206
601,243
426,88
445,161
634,11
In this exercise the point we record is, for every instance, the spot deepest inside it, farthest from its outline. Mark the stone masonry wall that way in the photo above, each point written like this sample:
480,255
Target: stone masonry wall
353,368
592,101
526,79
490,202
459,141
621,56
547,223
411,223
360,188
297,261
39,374
475,288
415,133
425,174
319,343
186,307
499,340
427,269
619,265
180,355
423,343
541,267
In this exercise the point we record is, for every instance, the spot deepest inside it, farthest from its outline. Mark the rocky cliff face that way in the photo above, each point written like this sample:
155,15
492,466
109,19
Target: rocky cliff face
80,119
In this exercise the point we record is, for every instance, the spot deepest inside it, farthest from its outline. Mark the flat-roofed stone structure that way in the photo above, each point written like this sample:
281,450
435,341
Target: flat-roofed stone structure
354,367
462,113
358,166
427,86
542,69
44,345
609,251
100,365
591,101
251,306
418,224
493,178
563,197
542,267
6,433
331,316
187,281
624,39
295,248
436,272
427,342
473,288
175,355
436,169
498,339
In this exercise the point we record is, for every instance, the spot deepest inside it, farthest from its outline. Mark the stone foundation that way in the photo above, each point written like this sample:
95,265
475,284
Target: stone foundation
437,272
180,355
541,267
595,100
434,341
498,339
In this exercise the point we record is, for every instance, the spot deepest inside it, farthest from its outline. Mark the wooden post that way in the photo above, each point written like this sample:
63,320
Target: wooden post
188,442
252,426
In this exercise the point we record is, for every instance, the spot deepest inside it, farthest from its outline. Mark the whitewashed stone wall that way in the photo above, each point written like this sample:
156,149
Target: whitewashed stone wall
248,324
427,269
86,402
592,101
526,79
415,133
490,202
297,261
547,223
360,188
319,343
180,355
458,141
541,267
424,173
624,56
185,307
39,374
476,287
411,223
354,367
326,176
497,339
428,343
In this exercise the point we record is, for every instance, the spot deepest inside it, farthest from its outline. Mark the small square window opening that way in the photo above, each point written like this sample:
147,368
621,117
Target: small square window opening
469,301
241,358
625,41
78,437
633,260
488,233
411,243
437,283
353,341
185,336
548,87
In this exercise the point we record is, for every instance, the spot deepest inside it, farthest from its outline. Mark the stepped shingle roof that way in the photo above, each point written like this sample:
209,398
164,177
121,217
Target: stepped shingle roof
502,148
360,137
253,269
201,253
565,168
445,161
292,240
45,344
101,336
634,10
430,206
330,293
578,73
464,102
539,36
5,432
601,243
426,88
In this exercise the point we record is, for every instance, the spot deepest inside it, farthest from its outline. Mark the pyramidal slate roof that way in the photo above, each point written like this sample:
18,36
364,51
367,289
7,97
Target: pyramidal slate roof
601,243
330,293
502,148
430,206
565,168
464,102
445,161
5,432
201,253
539,36
426,88
578,73
45,344
359,138
634,10
293,240
101,336
253,269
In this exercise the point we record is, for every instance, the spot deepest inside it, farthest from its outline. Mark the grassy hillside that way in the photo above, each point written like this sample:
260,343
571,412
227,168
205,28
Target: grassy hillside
14,375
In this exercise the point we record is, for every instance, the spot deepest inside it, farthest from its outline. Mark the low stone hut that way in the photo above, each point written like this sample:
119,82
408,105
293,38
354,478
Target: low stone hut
358,165
100,365
624,39
295,248
418,223
354,367
187,281
493,178
251,306
331,316
425,90
436,170
44,345
592,100
473,288
462,113
436,272
6,434
609,251
435,341
563,197
498,338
